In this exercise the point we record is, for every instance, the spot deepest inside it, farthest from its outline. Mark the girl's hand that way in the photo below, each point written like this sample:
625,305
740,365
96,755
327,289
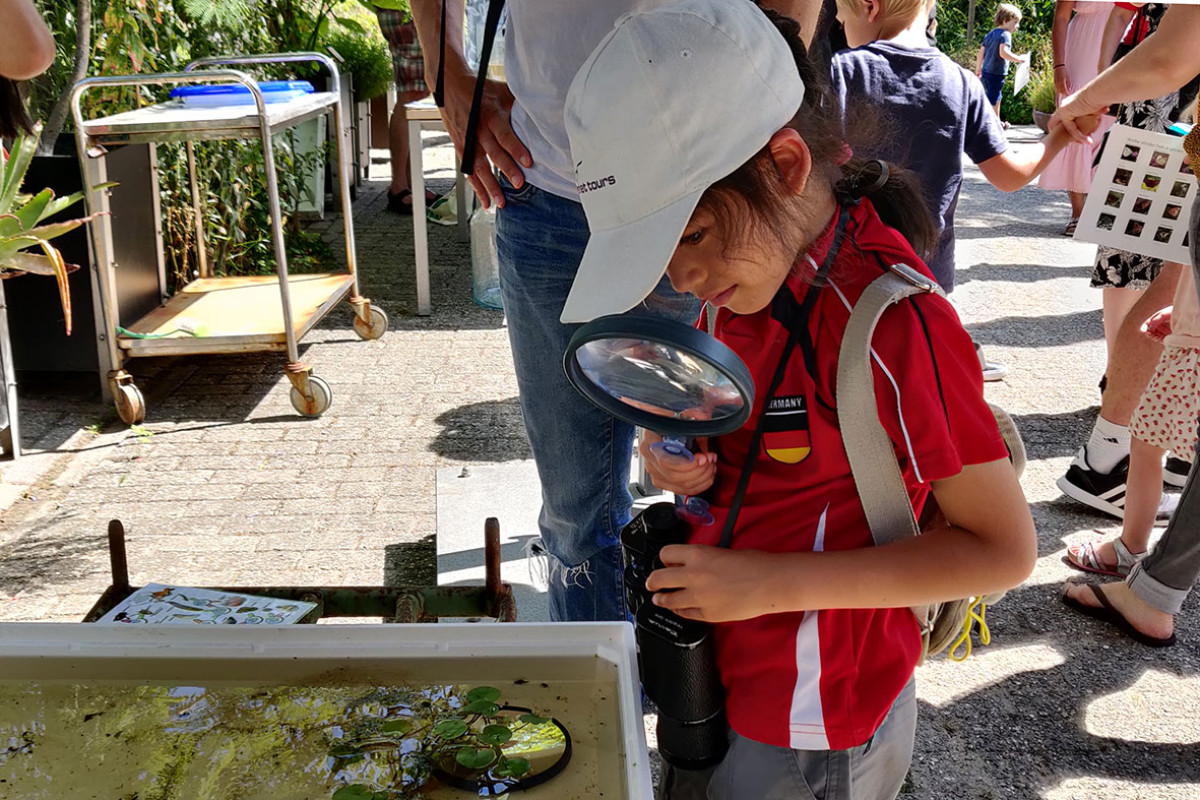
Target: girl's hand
679,475
1158,326
715,584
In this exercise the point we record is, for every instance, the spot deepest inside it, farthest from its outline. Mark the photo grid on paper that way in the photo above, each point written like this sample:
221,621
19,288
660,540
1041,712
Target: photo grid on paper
1141,196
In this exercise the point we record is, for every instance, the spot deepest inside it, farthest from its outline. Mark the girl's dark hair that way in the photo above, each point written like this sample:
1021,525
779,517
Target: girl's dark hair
899,200
14,119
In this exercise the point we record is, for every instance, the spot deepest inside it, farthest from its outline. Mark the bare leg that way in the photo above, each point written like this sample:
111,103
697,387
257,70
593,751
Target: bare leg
398,143
1077,199
1143,493
1134,355
1117,304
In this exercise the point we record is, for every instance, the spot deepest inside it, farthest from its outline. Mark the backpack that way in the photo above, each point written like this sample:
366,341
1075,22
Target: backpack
873,461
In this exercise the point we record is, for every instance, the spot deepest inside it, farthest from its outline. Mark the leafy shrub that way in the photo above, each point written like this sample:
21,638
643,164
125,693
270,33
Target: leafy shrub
365,56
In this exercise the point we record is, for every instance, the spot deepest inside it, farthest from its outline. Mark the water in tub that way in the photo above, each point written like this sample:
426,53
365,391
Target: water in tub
341,740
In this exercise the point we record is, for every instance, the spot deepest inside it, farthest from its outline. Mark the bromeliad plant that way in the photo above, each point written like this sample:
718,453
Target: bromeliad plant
21,222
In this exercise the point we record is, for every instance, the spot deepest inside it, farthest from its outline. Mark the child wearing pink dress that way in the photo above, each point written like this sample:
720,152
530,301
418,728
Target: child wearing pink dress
1165,419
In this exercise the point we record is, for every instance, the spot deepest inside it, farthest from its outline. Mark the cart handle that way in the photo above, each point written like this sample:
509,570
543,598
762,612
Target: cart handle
274,58
160,79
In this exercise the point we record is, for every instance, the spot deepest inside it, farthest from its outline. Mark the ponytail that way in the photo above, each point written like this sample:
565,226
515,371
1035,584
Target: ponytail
896,194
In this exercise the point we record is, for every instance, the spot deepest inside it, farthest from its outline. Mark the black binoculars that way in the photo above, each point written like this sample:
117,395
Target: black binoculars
675,655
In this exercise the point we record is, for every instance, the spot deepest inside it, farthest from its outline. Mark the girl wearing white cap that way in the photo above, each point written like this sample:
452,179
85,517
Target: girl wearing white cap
702,152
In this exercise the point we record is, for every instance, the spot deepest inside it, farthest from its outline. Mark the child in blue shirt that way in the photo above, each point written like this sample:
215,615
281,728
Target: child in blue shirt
991,65
940,108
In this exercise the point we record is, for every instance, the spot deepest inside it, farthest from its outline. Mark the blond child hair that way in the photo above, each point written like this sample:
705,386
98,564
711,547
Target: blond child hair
1005,13
900,11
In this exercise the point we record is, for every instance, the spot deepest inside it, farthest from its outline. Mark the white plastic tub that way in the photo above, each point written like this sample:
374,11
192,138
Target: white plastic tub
583,674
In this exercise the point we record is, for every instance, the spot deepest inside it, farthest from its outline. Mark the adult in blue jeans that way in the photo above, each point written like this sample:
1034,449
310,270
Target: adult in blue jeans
582,454
1144,606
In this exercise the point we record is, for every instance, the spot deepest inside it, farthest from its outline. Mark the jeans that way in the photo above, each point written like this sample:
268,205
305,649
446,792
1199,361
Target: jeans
582,454
755,771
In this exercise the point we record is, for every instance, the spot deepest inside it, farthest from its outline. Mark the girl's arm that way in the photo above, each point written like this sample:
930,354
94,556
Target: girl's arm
979,62
1114,29
988,545
1009,171
1058,43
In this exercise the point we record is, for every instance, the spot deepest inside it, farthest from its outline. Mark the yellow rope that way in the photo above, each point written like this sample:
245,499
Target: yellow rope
963,641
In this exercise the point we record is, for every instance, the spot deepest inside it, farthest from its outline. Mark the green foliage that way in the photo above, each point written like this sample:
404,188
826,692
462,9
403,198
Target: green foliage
1041,92
22,221
366,57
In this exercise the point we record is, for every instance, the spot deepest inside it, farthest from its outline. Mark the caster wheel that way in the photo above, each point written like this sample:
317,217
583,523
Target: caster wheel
378,326
320,401
131,406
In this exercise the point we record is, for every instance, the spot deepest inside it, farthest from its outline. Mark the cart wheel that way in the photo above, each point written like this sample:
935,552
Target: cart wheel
321,399
131,406
378,326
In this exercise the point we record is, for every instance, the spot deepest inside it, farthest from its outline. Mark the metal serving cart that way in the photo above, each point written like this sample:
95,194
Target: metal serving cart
230,314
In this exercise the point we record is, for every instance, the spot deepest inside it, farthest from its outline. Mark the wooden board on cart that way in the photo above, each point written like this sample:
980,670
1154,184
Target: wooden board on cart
240,314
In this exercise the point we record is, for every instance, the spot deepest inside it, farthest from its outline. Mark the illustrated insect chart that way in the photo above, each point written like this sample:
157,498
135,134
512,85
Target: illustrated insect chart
157,603
1141,196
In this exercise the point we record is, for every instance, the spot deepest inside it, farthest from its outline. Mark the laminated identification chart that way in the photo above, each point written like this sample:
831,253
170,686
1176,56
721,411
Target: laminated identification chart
1141,196
157,603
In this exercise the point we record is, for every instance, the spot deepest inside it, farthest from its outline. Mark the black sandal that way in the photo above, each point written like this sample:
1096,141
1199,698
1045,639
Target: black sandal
396,204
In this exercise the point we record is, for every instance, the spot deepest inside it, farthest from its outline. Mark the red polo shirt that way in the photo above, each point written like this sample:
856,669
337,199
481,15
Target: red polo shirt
825,679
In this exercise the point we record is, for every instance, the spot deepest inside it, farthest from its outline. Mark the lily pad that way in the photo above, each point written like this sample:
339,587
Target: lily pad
397,726
512,767
485,708
533,719
487,693
494,734
450,728
478,758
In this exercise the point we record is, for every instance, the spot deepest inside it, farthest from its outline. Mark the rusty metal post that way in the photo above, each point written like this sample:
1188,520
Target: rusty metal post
491,562
116,557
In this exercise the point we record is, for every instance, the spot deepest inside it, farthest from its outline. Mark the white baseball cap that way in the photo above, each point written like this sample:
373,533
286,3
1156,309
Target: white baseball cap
671,101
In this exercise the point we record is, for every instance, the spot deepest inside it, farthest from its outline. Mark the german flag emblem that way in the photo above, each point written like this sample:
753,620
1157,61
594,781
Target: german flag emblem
785,429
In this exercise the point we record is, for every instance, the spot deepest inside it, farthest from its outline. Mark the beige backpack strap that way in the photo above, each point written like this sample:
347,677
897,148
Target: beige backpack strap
873,462
868,447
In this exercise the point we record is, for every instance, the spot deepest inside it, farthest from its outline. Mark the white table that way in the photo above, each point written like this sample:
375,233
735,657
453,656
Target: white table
424,112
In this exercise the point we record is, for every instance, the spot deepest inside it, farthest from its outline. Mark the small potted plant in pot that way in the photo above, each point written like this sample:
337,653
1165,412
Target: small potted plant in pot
1042,99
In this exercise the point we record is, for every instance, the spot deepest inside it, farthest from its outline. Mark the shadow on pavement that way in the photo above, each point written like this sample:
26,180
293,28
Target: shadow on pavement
488,431
1052,330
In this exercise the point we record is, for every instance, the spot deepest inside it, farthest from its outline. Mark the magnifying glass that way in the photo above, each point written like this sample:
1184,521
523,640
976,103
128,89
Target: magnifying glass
663,376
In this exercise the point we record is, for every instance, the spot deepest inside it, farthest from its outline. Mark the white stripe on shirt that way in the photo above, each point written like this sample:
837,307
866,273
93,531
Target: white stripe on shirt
806,719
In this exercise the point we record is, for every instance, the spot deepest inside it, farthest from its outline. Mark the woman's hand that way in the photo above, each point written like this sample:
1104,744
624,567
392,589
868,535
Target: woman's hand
1062,80
677,474
715,584
1071,112
1158,326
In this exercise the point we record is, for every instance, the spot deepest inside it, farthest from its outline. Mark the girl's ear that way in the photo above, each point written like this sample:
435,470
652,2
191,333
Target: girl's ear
792,158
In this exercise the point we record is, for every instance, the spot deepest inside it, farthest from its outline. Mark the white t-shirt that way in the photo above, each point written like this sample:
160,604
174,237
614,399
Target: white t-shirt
546,42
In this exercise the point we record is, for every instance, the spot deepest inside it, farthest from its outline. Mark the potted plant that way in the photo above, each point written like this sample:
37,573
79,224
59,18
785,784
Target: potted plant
1042,99
21,218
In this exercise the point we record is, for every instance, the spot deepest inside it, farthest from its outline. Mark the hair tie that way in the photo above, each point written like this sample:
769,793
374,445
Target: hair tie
844,155
880,181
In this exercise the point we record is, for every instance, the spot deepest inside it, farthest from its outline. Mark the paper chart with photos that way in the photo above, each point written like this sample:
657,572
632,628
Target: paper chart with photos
1141,196
157,603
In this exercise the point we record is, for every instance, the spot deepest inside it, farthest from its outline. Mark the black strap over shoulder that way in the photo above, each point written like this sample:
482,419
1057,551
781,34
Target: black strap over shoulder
796,332
495,9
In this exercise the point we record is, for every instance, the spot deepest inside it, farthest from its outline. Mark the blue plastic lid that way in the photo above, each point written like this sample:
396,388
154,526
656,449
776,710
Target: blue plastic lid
217,89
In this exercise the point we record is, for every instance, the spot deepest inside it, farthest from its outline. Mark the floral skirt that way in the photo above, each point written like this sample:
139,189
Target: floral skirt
1167,415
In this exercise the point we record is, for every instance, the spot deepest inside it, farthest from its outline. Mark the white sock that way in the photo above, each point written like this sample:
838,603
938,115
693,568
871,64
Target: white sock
1109,443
